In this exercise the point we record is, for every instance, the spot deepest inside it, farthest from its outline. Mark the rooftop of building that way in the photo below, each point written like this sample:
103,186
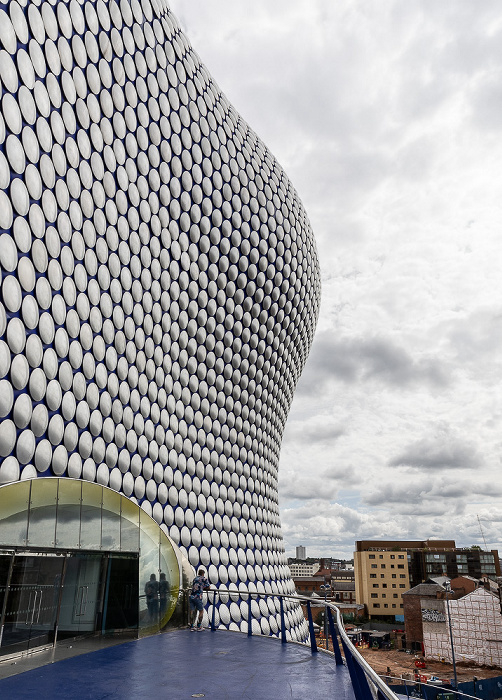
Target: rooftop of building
396,545
425,590
219,665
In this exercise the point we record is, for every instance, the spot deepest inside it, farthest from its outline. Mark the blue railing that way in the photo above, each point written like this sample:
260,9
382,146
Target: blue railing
429,691
366,683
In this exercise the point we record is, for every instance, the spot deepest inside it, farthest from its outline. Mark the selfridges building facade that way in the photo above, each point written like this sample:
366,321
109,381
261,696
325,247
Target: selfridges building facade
159,295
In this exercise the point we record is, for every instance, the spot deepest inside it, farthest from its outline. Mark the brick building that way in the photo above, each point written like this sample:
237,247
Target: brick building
412,609
342,588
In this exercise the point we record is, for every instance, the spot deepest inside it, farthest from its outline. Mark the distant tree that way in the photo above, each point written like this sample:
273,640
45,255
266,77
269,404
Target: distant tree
475,546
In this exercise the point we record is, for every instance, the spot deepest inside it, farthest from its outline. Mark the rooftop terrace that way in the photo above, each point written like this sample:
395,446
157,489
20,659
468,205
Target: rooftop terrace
181,664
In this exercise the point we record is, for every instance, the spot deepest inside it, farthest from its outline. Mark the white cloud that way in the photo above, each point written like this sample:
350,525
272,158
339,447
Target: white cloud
387,117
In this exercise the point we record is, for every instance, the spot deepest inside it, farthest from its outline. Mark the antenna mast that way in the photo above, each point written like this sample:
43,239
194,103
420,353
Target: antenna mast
482,533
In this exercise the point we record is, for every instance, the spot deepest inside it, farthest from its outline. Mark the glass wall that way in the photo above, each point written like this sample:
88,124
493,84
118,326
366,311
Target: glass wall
120,570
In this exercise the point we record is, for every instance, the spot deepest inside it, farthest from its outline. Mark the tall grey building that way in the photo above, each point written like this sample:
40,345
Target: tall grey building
159,295
301,552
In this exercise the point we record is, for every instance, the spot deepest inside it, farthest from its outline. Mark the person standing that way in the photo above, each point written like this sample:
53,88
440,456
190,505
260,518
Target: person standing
164,593
199,585
152,597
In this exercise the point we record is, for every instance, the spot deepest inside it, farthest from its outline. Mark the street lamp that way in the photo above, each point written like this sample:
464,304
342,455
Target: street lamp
325,587
447,587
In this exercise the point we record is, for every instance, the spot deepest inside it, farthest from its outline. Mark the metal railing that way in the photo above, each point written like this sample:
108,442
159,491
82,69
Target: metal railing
427,691
366,683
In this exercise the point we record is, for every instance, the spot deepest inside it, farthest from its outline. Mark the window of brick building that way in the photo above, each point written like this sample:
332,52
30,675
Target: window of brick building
384,595
400,556
386,605
402,575
393,585
401,585
384,585
382,566
374,595
393,605
372,575
394,576
371,556
376,605
392,556
394,595
400,566
376,585
373,566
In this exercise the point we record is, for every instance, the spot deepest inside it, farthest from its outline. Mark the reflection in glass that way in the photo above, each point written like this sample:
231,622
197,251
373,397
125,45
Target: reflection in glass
110,532
129,526
68,514
90,523
42,516
32,601
82,593
14,514
148,574
168,583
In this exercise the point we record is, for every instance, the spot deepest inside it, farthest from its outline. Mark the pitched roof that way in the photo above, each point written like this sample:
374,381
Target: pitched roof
425,589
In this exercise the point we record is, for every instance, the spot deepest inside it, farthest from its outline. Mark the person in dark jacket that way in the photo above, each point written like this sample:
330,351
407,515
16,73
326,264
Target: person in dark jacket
199,585
152,597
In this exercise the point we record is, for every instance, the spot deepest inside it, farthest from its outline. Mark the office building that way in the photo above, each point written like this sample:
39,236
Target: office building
301,570
384,569
301,553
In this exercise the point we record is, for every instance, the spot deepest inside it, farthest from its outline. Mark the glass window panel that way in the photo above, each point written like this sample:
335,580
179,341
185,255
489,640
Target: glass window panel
5,564
148,574
110,532
90,524
68,514
129,526
488,558
14,514
42,515
169,580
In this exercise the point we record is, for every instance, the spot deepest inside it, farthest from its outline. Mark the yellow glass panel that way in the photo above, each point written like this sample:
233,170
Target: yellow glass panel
90,522
169,580
149,570
14,501
129,526
68,514
42,514
110,532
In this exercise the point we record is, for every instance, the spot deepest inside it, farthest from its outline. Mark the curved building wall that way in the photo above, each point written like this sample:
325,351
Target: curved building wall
159,288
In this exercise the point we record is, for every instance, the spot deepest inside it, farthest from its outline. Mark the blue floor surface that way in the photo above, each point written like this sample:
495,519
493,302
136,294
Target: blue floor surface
183,664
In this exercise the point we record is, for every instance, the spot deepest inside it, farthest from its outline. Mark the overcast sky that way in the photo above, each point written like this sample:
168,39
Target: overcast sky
387,117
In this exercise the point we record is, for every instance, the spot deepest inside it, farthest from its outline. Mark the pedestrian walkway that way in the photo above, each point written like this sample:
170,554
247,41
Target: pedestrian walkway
182,664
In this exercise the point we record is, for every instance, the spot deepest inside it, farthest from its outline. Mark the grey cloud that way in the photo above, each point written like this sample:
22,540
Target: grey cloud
486,103
312,434
367,359
440,452
476,337
433,497
301,486
423,502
